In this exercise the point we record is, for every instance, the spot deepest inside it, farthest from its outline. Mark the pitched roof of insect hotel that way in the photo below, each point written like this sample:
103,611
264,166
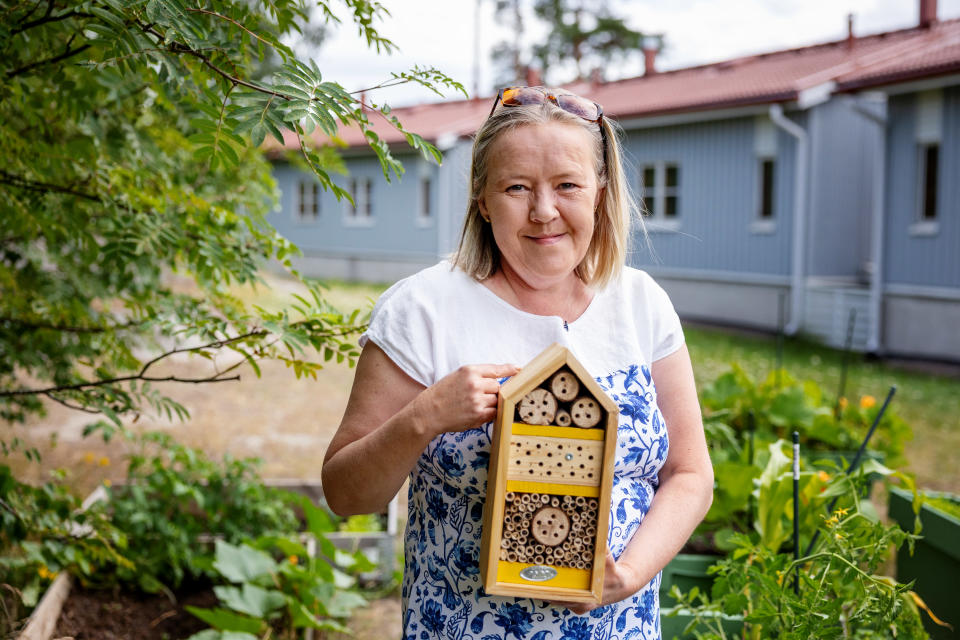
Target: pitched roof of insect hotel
546,364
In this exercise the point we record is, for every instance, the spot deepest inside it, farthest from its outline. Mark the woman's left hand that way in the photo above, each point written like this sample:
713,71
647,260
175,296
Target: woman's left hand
620,581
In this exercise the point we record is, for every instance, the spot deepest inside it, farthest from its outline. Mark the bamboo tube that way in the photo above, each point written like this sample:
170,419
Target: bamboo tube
538,560
512,556
544,498
554,501
591,531
525,498
510,495
563,418
587,555
539,548
581,501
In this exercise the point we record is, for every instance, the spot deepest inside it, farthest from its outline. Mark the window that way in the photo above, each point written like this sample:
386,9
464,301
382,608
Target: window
308,206
426,206
767,175
929,157
361,190
660,185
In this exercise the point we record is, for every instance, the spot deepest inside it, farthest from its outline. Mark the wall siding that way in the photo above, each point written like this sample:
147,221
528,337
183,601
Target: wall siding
718,197
394,230
843,146
927,260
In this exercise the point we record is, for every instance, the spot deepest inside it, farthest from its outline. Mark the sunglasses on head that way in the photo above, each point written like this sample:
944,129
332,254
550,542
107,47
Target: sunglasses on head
580,107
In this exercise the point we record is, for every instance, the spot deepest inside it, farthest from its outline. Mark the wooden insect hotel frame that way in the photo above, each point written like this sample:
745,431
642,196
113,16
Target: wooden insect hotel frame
547,509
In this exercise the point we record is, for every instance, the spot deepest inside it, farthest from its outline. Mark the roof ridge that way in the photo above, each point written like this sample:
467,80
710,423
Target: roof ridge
745,59
869,59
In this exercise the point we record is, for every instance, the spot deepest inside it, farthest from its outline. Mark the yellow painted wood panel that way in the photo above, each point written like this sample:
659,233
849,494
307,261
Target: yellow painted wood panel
566,577
551,431
553,488
539,459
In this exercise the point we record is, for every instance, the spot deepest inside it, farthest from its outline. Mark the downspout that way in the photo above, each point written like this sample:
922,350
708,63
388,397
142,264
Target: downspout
877,231
799,216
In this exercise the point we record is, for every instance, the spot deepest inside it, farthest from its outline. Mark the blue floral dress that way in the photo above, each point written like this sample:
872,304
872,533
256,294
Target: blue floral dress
442,594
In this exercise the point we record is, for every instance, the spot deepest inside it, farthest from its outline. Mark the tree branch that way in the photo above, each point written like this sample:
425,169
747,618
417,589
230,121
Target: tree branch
229,19
44,187
41,326
68,52
72,406
142,375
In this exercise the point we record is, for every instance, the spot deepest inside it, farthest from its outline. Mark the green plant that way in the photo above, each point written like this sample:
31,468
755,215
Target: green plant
948,505
840,593
777,406
276,587
44,531
174,496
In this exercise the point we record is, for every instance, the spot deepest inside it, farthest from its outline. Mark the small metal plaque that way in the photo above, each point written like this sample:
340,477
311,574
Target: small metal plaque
538,573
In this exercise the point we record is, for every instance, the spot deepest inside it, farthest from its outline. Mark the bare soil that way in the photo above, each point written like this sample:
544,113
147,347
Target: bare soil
103,615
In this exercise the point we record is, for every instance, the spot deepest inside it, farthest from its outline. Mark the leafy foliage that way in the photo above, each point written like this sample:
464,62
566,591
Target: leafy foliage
130,132
746,424
43,531
174,497
841,592
581,35
276,583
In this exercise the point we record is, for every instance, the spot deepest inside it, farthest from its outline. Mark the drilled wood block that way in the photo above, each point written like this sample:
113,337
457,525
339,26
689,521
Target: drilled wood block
538,407
544,459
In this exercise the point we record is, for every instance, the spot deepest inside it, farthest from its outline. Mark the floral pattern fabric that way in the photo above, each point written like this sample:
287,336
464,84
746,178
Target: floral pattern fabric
443,597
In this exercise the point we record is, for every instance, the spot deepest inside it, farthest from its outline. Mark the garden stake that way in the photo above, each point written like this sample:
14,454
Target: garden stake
856,459
796,510
845,362
781,301
751,431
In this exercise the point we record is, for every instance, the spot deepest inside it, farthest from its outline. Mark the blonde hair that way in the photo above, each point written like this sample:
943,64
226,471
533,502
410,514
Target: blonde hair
477,253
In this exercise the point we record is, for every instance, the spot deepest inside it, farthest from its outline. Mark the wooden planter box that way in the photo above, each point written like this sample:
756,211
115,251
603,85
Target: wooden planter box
548,491
935,563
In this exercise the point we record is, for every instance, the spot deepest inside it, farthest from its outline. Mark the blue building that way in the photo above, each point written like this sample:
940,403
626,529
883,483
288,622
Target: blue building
814,184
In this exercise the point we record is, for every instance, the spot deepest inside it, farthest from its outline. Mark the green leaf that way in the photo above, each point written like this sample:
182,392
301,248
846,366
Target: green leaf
250,599
226,620
242,563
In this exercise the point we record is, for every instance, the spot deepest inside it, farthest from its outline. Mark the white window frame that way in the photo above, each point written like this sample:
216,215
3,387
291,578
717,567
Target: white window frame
360,212
426,202
760,224
923,226
657,219
307,207
929,132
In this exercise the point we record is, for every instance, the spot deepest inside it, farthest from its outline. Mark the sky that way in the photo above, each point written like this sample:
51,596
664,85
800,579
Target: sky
440,33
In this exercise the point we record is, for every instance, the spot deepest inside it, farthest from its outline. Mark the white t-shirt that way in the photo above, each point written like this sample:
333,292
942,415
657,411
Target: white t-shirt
440,319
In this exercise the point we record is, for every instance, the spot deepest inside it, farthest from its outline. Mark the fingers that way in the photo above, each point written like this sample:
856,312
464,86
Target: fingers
497,370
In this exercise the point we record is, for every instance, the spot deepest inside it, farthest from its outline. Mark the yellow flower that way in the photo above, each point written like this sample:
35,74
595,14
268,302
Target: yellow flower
88,457
293,559
45,573
107,483
841,511
824,476
867,401
843,402
104,461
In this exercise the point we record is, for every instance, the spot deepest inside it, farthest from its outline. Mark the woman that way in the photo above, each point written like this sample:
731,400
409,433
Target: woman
540,261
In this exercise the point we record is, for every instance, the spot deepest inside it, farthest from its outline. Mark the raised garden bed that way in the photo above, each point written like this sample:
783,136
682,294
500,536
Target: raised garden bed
935,562
69,611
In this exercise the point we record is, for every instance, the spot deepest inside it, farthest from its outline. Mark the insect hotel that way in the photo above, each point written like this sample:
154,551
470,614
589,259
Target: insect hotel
548,490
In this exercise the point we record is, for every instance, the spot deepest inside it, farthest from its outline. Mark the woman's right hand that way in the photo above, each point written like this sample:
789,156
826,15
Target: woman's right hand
463,399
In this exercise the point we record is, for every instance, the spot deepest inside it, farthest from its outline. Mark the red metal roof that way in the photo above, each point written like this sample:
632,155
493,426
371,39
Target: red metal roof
779,76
